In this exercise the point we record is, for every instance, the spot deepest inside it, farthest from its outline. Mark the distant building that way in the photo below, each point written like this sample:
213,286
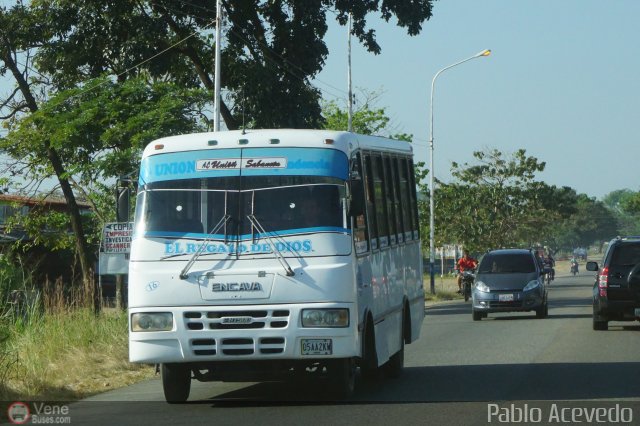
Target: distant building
10,205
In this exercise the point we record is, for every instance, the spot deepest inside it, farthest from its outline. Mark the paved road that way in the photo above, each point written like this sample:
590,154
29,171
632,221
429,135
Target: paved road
452,373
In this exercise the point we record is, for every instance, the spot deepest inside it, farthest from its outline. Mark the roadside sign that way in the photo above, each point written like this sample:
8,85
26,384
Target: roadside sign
116,237
115,248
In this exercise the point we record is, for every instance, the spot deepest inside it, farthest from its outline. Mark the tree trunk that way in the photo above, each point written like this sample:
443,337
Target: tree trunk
82,249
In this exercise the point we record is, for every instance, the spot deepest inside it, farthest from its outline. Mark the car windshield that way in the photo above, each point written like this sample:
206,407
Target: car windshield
626,255
507,264
195,206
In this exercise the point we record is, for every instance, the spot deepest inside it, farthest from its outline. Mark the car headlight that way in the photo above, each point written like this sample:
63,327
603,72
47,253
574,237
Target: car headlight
480,286
532,285
325,317
152,321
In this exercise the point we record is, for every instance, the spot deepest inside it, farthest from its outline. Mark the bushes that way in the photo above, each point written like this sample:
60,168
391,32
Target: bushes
52,344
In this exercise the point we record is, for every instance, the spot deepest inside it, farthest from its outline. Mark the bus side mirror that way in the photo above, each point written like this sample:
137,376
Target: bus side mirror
356,207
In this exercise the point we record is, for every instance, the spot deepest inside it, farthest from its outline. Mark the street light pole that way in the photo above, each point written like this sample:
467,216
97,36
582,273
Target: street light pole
432,252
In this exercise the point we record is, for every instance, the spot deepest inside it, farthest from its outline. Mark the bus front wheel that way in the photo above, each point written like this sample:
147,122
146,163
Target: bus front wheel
343,378
176,382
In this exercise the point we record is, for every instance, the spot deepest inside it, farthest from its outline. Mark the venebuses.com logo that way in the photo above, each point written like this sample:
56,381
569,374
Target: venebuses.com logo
20,413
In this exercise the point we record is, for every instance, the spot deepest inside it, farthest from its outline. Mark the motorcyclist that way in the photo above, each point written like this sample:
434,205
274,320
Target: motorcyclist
465,263
574,264
549,263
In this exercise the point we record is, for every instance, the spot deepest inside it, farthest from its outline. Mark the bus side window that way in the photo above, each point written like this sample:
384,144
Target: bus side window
414,199
360,232
371,206
392,206
406,200
398,204
379,193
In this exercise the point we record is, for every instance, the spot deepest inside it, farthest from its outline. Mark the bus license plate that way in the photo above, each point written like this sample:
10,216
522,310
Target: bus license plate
317,347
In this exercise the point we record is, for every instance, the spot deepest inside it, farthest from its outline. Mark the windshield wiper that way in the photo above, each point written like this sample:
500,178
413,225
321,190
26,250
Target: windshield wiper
223,221
279,256
173,255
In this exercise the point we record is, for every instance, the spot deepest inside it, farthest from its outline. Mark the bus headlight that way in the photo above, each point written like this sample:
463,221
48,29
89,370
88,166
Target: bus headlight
152,321
325,317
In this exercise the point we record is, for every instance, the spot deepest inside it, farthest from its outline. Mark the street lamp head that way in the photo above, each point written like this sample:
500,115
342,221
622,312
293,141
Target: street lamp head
485,52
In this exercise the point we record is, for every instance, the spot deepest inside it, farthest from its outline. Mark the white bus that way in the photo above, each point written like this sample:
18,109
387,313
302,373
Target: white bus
273,254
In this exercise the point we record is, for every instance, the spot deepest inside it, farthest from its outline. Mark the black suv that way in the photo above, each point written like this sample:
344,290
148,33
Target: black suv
616,292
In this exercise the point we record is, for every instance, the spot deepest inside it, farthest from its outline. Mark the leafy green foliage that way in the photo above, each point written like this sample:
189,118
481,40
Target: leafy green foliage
625,207
365,121
631,205
497,202
591,222
271,50
100,133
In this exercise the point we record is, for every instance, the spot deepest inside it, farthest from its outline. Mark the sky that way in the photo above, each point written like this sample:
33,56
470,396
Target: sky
562,82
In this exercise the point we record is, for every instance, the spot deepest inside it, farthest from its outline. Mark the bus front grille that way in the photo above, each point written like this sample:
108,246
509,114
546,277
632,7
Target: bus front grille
239,346
236,319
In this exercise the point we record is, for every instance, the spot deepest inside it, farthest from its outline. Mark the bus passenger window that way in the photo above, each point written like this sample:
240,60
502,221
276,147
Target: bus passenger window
379,193
360,232
370,198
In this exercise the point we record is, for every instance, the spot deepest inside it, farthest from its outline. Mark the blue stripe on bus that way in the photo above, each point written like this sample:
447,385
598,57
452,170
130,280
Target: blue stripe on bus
244,237
182,165
300,161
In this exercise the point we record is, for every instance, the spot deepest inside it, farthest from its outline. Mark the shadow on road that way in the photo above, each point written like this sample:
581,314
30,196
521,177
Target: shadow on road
569,302
563,285
464,383
465,307
449,309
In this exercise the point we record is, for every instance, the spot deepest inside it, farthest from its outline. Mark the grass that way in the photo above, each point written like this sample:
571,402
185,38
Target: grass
446,288
67,356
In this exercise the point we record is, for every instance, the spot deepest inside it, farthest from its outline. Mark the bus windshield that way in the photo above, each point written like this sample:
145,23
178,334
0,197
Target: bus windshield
282,205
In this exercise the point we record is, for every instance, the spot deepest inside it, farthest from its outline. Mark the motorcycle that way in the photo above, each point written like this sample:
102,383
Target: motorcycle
467,282
548,274
574,267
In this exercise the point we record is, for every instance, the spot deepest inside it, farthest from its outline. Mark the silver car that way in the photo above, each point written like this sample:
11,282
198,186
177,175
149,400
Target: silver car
509,280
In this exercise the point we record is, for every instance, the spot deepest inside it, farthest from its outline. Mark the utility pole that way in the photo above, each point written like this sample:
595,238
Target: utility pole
350,108
216,89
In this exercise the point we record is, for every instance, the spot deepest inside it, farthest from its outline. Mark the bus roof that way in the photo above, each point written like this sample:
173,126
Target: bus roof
343,141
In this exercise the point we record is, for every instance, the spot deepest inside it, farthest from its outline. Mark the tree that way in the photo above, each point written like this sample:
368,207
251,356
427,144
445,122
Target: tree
631,205
615,200
19,31
272,50
592,222
497,202
98,135
623,203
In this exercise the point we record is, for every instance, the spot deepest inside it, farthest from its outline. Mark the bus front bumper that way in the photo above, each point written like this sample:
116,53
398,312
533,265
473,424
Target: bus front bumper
206,333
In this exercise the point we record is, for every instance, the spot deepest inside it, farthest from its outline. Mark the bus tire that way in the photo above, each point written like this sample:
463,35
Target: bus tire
176,382
343,378
369,363
395,365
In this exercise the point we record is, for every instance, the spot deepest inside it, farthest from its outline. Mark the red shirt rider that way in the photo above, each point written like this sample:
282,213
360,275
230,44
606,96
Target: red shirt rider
465,263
